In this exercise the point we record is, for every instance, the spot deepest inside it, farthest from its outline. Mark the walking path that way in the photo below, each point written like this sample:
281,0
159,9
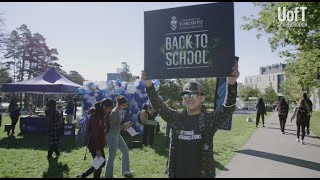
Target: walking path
270,154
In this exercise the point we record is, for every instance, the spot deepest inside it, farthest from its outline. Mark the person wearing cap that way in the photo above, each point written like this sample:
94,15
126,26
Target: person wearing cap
309,107
191,146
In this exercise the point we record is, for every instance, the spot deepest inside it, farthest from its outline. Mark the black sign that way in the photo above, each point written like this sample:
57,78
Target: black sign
69,129
190,42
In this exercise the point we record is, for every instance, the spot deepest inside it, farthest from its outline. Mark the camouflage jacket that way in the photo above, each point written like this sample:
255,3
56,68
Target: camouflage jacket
209,123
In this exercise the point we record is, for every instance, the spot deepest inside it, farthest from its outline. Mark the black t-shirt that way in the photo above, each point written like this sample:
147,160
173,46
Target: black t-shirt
189,148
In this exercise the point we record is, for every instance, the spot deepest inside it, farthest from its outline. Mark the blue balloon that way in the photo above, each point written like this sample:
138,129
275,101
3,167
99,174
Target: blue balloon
141,84
157,82
118,82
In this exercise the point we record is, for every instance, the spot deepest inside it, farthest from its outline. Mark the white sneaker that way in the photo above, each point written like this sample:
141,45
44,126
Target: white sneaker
128,173
302,142
298,140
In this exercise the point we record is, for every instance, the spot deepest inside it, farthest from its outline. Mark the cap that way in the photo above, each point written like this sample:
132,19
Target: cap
192,87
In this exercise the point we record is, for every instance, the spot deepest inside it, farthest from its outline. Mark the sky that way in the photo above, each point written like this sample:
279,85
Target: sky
93,38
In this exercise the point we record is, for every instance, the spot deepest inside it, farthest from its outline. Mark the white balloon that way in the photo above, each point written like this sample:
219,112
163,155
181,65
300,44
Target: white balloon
102,85
116,88
136,83
94,87
131,89
157,88
123,84
96,95
96,83
85,83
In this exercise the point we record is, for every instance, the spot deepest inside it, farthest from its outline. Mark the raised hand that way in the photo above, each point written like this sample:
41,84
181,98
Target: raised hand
235,73
145,80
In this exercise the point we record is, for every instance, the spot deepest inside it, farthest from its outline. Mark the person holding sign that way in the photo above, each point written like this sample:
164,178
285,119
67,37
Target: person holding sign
116,141
191,149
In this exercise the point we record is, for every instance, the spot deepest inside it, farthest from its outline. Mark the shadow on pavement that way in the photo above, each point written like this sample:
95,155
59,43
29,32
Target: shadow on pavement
281,158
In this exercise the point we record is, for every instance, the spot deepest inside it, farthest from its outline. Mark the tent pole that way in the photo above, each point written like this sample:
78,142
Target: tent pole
43,101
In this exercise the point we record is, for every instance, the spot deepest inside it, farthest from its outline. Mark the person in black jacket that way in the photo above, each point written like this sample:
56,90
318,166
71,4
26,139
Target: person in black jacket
14,115
55,126
309,107
70,110
283,110
261,111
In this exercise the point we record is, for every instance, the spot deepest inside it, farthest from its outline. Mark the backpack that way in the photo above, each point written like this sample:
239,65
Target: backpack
282,109
302,114
83,135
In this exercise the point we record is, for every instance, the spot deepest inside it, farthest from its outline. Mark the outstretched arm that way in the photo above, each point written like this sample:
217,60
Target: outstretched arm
167,114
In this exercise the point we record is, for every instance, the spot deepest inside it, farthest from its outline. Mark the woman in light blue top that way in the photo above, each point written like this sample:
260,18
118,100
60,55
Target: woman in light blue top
115,140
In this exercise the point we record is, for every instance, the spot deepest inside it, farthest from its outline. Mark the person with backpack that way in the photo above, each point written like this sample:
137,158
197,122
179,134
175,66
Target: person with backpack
309,104
115,140
261,111
55,123
283,110
97,127
191,147
301,115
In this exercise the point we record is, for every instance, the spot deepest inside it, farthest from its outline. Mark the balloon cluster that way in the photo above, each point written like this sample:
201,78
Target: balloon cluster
135,92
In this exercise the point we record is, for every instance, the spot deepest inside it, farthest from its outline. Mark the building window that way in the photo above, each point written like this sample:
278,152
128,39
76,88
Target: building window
270,84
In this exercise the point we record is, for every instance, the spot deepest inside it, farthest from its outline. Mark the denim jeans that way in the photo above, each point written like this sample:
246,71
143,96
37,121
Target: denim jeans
69,118
116,141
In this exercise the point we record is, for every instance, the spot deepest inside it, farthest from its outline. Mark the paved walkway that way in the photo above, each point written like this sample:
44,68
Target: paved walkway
270,154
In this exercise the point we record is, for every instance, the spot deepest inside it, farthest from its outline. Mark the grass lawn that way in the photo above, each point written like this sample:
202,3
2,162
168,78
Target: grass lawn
25,155
315,123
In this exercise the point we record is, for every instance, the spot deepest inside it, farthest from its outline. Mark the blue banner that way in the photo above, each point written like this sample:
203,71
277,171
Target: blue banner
221,91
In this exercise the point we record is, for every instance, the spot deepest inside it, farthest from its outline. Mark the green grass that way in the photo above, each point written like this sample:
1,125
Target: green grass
315,123
25,155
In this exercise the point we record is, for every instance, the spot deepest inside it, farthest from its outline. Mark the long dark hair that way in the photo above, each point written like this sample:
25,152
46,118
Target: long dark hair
99,111
121,100
260,101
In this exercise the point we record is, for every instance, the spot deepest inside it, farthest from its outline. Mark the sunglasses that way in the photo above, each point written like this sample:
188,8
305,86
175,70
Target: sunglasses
190,95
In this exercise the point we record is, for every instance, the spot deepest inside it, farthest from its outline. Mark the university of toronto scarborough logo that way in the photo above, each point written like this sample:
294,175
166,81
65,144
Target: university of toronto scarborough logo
174,23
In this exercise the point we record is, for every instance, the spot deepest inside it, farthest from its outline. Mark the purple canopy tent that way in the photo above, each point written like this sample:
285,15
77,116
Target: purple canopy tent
49,82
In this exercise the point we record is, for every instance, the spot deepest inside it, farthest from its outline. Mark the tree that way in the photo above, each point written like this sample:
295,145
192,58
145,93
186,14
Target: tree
301,38
74,76
2,33
300,45
4,75
27,54
126,74
247,92
269,95
170,89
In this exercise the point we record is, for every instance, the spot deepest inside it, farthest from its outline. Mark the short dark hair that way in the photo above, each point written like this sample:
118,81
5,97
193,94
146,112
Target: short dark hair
121,100
305,95
107,103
